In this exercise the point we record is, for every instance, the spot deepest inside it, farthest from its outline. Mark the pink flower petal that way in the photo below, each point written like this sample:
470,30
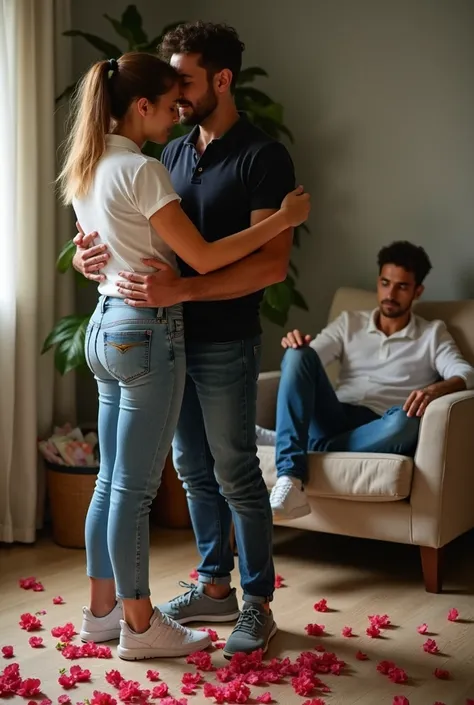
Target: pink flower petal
279,580
347,632
379,620
194,575
373,631
99,698
153,675
58,600
314,701
430,646
64,699
453,614
360,656
314,629
36,642
442,674
422,629
30,623
321,606
265,698
400,700
7,651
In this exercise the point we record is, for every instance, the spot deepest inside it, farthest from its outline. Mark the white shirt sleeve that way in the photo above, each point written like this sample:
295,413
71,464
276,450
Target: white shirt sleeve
152,188
447,358
329,344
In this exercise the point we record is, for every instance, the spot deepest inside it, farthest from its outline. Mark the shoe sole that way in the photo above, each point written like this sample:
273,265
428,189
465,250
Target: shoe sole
99,638
231,617
145,654
228,654
297,513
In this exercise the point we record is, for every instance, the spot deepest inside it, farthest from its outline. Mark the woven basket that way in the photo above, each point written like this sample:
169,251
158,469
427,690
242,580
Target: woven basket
70,491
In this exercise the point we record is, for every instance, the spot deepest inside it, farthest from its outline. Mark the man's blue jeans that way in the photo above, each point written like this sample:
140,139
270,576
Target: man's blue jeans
215,455
310,417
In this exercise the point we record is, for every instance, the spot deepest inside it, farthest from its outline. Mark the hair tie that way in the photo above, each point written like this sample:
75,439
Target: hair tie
113,67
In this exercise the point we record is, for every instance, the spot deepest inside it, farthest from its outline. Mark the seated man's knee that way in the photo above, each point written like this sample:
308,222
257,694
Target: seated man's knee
300,358
402,428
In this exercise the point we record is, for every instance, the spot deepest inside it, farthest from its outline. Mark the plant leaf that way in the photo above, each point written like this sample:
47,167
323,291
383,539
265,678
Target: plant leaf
109,51
293,268
246,94
299,300
63,330
68,336
67,92
133,22
272,314
123,31
64,261
250,74
279,296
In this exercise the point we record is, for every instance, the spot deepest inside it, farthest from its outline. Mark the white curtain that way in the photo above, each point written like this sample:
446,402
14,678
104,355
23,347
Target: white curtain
31,228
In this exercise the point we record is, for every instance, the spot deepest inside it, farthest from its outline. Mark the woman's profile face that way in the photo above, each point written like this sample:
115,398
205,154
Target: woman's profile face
161,116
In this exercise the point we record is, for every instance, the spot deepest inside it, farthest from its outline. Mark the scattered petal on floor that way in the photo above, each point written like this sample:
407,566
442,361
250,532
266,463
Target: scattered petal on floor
453,614
194,575
442,674
321,606
430,646
422,629
279,581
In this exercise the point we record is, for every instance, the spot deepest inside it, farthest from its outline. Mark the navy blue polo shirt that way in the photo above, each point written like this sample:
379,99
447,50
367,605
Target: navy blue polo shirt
242,171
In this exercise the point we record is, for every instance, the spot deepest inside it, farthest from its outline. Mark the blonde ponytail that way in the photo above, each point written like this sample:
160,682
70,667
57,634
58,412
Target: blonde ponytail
85,144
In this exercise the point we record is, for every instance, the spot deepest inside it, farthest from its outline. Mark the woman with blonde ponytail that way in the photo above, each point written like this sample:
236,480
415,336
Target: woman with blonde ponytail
137,355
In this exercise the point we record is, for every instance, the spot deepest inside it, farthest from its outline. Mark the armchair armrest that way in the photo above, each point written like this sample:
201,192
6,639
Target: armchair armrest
442,497
266,398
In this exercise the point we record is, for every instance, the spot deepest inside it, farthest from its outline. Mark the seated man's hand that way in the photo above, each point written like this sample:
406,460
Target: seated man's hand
295,339
162,288
419,399
89,259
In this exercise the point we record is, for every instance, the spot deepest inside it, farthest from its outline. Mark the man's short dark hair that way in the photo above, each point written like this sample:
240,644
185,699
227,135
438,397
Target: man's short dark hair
218,45
412,258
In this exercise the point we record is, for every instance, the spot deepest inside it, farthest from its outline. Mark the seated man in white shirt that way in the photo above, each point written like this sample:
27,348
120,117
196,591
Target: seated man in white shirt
393,363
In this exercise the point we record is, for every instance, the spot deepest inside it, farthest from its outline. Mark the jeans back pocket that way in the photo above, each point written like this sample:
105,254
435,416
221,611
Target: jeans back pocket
127,353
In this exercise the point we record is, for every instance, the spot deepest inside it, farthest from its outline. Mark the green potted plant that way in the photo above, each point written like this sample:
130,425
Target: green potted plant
67,336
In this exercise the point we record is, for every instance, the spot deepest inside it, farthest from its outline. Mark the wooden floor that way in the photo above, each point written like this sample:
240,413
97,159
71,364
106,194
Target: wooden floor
357,578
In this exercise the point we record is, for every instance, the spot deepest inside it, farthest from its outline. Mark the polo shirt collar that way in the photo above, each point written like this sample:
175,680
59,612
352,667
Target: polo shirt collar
231,132
408,332
123,143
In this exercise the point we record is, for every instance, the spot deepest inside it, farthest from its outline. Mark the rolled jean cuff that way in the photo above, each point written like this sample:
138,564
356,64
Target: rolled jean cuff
137,596
255,600
214,580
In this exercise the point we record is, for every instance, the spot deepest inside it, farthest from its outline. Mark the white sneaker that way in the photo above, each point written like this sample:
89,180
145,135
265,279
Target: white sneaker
164,639
100,629
288,499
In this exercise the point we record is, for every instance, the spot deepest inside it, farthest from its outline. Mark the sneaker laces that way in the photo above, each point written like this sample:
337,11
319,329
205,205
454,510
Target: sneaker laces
172,624
281,491
249,621
189,596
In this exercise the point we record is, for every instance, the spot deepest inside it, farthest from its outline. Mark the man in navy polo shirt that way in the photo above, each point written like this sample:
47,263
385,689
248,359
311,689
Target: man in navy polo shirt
229,175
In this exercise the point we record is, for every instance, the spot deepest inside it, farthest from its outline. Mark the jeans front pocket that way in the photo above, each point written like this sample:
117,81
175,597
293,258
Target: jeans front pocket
127,354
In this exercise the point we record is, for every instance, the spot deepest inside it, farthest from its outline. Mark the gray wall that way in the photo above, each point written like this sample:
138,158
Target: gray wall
380,97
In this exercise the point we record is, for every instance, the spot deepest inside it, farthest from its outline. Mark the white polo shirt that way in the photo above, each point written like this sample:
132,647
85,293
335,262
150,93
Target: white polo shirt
380,371
128,187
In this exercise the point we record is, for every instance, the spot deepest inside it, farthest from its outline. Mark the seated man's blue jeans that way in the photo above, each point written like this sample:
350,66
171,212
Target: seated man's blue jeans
310,417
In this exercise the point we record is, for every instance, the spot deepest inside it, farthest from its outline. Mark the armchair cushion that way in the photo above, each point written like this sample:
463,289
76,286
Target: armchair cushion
358,477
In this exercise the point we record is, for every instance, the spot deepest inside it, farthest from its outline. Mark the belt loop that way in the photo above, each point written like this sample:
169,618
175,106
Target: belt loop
161,314
103,300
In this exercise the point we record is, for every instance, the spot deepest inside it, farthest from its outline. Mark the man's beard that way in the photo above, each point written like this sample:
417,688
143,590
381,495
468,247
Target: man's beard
201,110
396,312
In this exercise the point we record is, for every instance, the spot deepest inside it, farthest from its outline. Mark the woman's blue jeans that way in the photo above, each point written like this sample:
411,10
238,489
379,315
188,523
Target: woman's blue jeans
138,359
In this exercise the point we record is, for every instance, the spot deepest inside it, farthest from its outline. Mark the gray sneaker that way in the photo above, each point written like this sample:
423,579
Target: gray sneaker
253,631
195,606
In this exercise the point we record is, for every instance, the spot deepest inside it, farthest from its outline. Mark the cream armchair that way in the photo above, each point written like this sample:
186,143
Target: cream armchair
427,501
